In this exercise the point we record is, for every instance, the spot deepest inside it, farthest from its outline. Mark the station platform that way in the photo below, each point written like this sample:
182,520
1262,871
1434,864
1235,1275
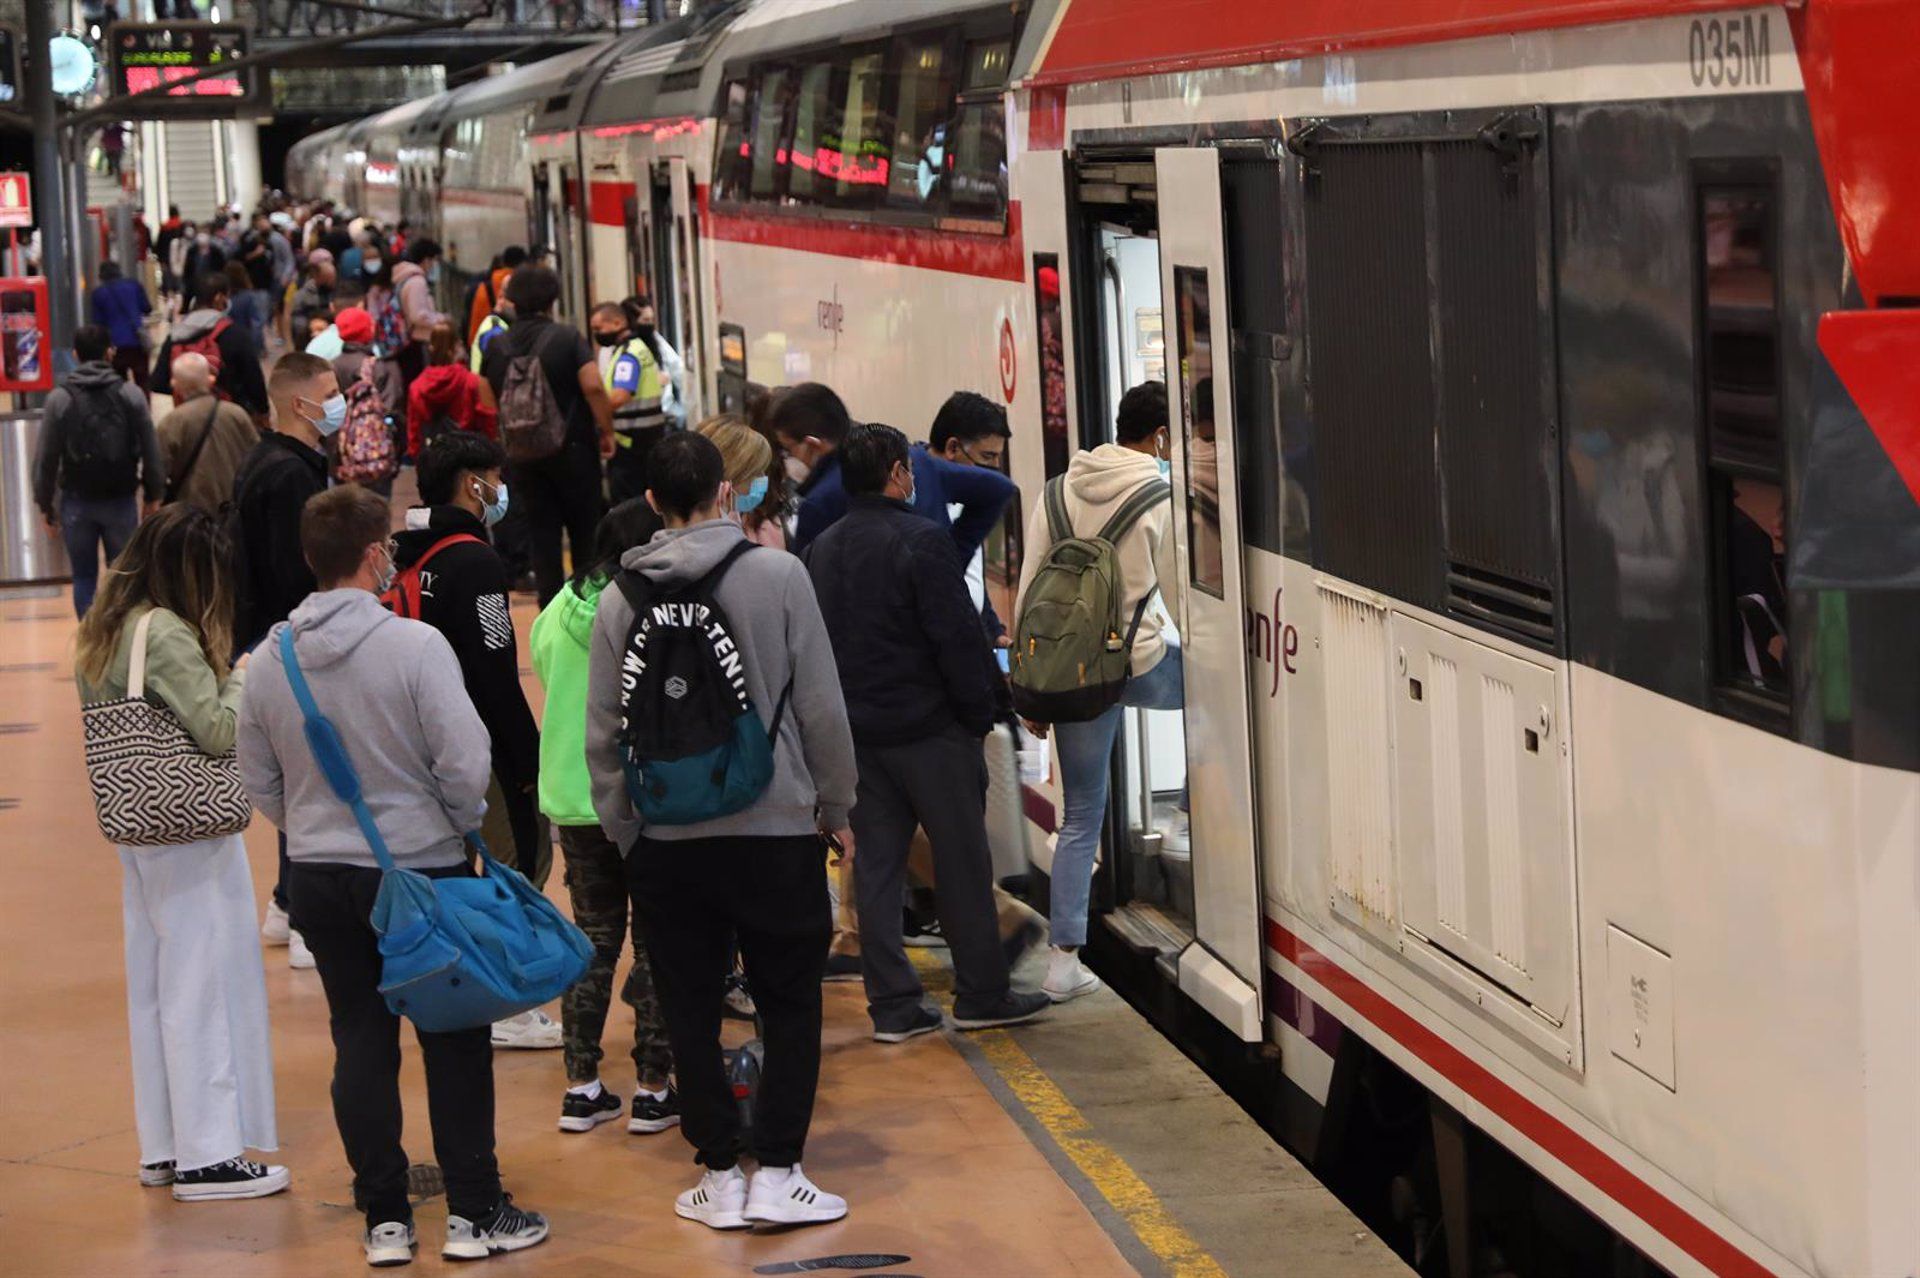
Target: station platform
1084,1145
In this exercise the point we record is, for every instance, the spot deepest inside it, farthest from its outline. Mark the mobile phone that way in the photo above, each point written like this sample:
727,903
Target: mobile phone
1006,663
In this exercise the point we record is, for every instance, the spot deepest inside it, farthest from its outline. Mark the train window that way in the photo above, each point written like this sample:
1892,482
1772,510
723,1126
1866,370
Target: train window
816,135
730,155
1745,464
1204,566
1049,329
921,106
977,175
864,145
768,153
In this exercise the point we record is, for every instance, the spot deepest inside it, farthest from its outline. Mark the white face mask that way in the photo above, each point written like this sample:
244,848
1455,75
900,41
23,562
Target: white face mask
384,580
797,470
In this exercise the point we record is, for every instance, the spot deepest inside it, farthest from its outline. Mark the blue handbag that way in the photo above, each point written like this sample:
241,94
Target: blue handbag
456,953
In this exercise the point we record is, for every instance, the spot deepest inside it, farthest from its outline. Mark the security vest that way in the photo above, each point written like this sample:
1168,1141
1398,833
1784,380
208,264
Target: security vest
646,396
491,324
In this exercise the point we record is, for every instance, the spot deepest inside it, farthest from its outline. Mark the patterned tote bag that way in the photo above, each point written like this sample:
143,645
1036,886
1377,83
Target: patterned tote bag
152,783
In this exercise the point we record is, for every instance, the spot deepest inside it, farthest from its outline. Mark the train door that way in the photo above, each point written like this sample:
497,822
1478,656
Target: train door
1222,970
689,308
568,197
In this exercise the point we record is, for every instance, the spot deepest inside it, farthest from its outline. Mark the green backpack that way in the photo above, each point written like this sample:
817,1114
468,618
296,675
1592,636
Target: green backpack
1070,658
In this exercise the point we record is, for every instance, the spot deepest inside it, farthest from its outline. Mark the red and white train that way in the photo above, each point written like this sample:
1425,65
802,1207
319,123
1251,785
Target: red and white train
1547,455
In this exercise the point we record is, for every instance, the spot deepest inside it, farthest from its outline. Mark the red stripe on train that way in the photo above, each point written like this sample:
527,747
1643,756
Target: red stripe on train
993,257
1574,1151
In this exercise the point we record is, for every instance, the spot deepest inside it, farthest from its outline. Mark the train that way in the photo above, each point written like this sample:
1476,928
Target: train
1547,477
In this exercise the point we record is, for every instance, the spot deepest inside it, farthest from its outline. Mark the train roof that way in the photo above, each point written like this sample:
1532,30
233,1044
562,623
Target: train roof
528,86
671,74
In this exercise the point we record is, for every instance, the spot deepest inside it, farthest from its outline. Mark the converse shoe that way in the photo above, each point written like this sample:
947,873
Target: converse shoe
299,957
156,1175
533,1030
274,929
784,1196
505,1228
654,1114
1015,1007
916,935
235,1178
739,1001
1066,978
925,1020
843,967
390,1244
580,1112
719,1201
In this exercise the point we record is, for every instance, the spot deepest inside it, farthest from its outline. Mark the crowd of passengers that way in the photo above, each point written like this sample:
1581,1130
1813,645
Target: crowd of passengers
847,563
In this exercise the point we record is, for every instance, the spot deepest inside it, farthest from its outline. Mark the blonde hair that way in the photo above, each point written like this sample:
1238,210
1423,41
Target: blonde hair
744,451
177,560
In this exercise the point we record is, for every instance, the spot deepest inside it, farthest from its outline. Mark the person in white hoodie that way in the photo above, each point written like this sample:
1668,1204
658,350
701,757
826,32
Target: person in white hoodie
1097,483
394,690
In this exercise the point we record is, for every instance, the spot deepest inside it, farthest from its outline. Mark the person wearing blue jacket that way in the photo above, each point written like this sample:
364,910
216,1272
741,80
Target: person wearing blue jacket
810,423
120,306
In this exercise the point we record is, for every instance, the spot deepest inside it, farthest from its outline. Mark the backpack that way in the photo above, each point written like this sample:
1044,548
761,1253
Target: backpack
207,346
691,744
389,324
1071,659
367,454
532,427
98,457
402,597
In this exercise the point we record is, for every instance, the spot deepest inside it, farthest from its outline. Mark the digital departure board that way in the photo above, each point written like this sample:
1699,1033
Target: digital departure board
146,55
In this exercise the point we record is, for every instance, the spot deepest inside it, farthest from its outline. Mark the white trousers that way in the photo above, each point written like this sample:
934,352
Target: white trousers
196,1004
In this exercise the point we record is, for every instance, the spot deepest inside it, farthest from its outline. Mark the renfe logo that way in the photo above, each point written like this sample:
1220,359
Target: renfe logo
1273,641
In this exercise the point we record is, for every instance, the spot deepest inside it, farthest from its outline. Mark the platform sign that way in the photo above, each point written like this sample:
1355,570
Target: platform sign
145,55
16,200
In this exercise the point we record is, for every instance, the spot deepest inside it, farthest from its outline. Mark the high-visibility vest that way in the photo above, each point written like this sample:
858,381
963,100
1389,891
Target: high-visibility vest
490,325
646,396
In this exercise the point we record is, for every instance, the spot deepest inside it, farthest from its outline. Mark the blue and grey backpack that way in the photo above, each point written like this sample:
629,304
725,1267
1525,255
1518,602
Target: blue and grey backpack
690,740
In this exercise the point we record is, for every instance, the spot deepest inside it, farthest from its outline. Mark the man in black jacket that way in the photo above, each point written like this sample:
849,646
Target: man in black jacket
284,469
239,378
920,687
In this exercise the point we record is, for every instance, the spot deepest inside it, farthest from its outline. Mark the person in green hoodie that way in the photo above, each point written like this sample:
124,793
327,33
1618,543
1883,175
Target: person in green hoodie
596,873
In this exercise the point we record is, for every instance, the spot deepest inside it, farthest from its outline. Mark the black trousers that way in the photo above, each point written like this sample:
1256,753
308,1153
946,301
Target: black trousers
694,899
559,493
330,906
627,472
939,783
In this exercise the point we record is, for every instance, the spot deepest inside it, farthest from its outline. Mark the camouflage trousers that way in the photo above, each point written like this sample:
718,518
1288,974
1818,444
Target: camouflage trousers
596,878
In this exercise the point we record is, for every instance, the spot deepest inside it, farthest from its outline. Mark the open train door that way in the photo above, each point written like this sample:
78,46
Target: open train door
1221,970
684,316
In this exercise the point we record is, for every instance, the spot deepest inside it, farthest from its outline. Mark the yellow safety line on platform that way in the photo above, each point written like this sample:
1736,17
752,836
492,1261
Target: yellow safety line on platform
1117,1182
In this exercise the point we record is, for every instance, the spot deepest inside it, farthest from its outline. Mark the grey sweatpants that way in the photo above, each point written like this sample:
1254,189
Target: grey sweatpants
939,783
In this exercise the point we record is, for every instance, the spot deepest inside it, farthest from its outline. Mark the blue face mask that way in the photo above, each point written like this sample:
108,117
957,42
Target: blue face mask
333,415
433,273
750,499
496,510
1166,467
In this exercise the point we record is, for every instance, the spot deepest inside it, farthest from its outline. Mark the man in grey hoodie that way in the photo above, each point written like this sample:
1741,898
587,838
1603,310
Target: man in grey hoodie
758,875
394,690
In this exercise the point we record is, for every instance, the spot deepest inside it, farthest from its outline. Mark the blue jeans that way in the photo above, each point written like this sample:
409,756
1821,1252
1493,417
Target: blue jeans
1086,768
85,524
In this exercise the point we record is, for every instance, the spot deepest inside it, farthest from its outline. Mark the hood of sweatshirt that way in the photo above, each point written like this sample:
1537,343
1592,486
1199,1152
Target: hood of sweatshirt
441,386
1103,475
404,271
194,325
96,375
329,624
676,556
574,609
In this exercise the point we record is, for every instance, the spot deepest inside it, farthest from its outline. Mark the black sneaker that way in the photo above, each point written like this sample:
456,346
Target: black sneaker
737,1003
919,935
505,1228
925,1020
843,967
650,1115
580,1113
1012,1008
235,1178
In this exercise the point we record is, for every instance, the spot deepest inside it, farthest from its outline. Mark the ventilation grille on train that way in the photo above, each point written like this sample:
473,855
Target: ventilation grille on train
1520,610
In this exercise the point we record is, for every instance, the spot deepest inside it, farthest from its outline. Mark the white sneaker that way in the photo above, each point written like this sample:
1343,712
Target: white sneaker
533,1030
299,957
1176,841
275,929
784,1196
719,1201
390,1244
1066,978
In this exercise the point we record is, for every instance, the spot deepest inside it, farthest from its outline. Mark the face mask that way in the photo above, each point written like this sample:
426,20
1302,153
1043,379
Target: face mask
751,499
496,510
1166,467
645,333
370,265
383,581
333,415
433,273
606,339
797,470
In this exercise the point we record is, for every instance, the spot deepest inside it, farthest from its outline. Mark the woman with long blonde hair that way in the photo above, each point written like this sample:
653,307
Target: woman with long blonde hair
196,989
748,459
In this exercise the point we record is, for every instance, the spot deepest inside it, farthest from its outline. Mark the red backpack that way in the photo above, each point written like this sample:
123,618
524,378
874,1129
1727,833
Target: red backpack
402,598
207,346
367,454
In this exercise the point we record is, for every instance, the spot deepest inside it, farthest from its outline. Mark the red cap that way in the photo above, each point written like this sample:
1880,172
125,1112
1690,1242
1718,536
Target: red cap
355,325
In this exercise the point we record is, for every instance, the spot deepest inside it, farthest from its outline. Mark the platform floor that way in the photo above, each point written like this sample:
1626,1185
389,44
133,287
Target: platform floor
1086,1145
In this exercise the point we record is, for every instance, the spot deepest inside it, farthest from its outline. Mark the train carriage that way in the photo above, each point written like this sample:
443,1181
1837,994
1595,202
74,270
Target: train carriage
1513,358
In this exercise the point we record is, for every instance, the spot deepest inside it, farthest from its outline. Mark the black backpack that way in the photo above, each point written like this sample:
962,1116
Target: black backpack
691,743
98,457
